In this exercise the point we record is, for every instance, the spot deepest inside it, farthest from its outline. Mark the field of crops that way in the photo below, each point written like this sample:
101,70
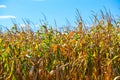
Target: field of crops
48,54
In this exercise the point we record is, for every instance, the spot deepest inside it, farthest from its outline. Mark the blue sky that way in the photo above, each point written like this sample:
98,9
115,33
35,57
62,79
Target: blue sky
60,10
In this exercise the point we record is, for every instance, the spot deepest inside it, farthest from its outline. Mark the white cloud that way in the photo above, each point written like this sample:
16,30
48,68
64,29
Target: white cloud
6,17
3,6
24,25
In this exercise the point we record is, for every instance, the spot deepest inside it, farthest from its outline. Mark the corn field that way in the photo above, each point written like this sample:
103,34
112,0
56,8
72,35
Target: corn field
48,54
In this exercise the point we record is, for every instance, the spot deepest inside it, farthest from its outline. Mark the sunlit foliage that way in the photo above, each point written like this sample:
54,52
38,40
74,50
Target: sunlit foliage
47,54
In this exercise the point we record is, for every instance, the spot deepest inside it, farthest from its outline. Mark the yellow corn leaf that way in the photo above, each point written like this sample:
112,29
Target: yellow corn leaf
11,72
24,54
94,54
0,40
106,77
62,49
101,44
54,47
112,59
71,34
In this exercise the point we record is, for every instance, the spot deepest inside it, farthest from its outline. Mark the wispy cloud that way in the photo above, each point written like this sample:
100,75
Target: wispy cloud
6,17
3,6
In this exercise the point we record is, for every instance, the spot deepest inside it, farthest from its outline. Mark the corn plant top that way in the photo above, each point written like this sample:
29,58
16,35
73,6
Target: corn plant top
48,54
